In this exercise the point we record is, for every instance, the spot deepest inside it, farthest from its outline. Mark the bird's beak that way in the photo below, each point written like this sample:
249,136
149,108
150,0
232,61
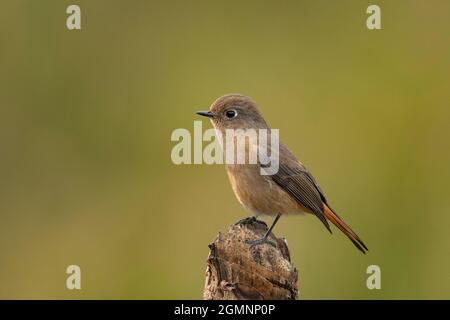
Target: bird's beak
208,114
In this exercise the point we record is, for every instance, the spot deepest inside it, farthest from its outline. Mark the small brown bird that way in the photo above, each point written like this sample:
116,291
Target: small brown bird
292,189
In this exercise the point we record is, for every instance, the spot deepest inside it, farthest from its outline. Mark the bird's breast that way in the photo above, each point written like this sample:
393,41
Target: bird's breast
259,194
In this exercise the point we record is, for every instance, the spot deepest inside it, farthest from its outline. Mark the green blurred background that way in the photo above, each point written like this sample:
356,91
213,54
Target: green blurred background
86,116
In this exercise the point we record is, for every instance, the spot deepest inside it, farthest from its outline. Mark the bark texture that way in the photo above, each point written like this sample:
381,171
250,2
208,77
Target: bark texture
237,271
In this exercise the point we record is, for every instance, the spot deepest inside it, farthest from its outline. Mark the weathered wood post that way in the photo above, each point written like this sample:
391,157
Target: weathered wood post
236,271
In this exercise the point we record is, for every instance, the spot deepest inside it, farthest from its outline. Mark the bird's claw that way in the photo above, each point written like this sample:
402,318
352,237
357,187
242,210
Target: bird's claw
248,220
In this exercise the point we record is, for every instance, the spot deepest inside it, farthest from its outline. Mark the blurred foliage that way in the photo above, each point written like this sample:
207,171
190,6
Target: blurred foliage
86,116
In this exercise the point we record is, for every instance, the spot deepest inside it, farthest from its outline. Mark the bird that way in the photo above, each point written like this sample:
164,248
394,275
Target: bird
292,189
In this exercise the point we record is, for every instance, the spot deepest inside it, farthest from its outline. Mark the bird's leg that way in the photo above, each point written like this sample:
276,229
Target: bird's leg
264,239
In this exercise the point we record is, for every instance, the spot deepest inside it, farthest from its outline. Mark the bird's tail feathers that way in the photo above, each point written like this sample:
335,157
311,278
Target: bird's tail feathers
341,225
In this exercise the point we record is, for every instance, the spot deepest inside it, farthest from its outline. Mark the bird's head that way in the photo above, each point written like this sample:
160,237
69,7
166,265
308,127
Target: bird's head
235,111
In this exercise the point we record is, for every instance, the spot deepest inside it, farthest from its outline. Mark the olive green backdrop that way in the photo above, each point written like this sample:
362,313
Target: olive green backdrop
86,116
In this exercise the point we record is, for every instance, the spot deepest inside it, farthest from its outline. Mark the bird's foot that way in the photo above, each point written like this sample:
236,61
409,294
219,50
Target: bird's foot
248,220
257,242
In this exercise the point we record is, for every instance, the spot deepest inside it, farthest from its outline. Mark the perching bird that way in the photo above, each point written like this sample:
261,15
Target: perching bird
291,190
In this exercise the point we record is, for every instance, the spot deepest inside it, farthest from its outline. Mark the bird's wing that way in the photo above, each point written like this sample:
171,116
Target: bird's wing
296,180
300,184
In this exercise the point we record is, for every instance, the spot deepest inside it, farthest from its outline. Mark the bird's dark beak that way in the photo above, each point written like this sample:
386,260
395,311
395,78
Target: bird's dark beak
208,114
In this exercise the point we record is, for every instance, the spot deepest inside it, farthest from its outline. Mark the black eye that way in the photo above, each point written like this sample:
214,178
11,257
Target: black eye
230,114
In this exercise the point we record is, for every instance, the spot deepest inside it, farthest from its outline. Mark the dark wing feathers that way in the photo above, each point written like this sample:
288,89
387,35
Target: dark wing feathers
300,184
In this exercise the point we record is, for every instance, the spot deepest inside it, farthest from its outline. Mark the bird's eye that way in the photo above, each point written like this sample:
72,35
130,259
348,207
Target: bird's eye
230,114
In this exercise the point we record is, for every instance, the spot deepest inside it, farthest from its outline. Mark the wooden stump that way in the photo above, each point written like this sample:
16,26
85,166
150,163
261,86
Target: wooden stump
237,271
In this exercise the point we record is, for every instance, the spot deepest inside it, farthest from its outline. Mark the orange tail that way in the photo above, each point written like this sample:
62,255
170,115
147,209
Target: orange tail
334,218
